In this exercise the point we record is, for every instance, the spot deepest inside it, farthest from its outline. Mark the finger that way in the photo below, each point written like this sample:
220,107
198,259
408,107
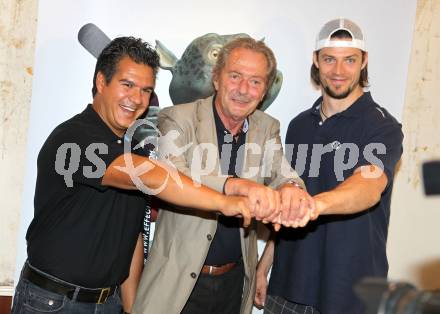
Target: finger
312,208
303,216
258,215
259,211
258,301
274,219
263,295
263,200
274,216
285,207
276,227
295,203
269,196
278,202
246,220
246,215
306,218
253,202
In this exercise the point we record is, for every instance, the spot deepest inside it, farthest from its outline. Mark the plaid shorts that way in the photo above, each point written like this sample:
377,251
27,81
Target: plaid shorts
278,305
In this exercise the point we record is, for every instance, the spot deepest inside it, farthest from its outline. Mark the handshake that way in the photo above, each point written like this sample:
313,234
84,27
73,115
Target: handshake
288,206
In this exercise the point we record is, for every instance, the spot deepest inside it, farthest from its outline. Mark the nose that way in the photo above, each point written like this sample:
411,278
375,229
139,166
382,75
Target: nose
338,67
243,87
136,96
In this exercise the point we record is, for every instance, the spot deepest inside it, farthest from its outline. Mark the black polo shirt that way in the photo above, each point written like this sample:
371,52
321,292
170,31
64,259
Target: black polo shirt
226,247
83,232
318,265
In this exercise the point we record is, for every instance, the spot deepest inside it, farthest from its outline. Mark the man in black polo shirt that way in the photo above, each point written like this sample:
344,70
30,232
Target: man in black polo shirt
88,211
350,146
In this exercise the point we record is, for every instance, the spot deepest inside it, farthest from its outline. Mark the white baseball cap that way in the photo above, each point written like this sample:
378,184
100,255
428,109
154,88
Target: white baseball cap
323,40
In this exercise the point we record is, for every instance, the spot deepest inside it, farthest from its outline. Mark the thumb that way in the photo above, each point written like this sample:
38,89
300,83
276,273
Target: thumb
276,227
246,218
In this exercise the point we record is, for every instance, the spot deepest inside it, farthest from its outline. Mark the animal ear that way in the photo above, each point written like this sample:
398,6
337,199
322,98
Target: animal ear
167,58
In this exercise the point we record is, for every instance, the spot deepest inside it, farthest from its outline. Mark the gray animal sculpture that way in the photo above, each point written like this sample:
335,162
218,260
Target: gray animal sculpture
192,72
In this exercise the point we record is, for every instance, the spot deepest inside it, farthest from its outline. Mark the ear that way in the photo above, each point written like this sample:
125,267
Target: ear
315,59
100,82
215,80
365,60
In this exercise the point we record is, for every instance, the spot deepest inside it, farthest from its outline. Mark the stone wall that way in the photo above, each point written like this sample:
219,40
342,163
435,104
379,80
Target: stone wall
18,20
413,247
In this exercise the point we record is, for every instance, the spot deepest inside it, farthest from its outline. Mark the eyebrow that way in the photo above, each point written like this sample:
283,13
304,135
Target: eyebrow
134,84
332,56
242,74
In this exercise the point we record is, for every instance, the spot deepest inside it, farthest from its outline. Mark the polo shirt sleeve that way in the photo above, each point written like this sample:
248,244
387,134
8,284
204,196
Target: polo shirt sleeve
382,145
80,156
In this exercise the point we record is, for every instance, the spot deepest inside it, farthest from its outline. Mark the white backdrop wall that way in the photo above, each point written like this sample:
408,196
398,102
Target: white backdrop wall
64,69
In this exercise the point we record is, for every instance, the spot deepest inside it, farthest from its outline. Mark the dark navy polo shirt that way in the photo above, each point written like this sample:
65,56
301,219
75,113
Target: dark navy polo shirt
317,265
226,246
83,232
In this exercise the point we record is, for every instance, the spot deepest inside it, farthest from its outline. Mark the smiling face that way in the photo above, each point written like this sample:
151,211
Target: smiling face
339,70
240,85
126,97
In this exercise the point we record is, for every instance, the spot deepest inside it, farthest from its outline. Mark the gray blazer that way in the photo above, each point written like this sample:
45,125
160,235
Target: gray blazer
182,237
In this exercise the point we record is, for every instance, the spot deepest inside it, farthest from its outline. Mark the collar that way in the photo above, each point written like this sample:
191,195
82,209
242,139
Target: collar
355,110
218,121
90,114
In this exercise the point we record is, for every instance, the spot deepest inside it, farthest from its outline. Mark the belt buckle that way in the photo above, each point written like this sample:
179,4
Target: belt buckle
106,292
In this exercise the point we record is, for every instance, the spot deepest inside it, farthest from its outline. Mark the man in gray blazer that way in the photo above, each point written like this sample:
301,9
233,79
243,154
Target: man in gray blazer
202,262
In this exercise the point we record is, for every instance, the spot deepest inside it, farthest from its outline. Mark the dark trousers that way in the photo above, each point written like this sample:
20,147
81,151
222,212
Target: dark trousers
278,305
217,294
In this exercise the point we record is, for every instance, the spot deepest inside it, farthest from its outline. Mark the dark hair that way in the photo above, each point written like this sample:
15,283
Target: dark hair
135,48
251,44
314,71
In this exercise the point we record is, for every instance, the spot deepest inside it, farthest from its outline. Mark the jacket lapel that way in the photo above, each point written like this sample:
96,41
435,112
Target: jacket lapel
205,129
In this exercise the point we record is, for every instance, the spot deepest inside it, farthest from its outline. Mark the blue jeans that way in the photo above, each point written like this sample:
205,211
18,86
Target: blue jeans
30,298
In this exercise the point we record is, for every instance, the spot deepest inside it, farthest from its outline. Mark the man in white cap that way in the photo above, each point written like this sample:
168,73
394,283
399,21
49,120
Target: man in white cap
353,147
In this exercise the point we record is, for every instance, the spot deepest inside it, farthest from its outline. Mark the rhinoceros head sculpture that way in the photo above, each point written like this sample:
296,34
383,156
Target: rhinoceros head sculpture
192,73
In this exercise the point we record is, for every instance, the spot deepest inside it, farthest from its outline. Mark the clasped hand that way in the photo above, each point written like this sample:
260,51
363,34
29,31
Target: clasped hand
289,206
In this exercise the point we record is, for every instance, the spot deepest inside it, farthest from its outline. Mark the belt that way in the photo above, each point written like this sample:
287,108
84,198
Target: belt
98,295
217,270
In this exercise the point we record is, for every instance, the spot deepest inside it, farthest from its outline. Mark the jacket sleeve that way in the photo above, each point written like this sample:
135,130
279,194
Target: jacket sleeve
178,155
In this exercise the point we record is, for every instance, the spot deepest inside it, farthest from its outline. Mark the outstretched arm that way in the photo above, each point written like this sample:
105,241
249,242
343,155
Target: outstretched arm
155,175
359,192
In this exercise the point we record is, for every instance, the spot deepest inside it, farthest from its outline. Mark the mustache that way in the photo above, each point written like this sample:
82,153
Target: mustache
128,103
241,97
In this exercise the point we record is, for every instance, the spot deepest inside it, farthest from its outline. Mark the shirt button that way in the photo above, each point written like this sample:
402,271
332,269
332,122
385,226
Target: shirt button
193,275
209,237
320,123
119,141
